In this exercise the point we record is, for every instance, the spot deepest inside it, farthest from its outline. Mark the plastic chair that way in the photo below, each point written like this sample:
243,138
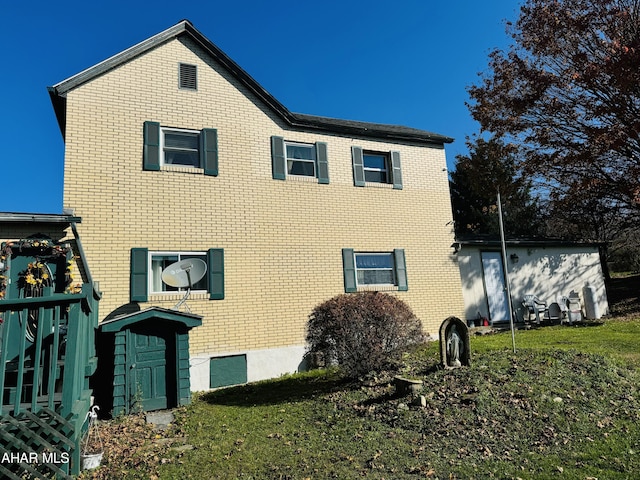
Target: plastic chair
534,306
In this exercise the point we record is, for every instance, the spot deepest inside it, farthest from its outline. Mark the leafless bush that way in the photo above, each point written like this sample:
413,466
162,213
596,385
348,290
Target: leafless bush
362,332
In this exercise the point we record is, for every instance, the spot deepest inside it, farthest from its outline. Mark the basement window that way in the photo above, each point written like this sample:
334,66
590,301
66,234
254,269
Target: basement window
188,77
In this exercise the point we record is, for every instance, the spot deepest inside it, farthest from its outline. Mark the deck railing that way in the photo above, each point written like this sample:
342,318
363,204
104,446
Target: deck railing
47,354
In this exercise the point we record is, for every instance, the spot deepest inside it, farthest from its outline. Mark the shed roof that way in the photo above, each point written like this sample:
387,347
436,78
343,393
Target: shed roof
116,324
59,91
491,241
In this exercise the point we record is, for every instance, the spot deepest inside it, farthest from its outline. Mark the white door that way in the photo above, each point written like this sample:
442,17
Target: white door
494,286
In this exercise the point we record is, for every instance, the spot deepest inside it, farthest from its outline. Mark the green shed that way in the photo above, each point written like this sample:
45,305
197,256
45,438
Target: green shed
143,361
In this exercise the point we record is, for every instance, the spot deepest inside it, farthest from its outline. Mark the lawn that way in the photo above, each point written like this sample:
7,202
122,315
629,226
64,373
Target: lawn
565,405
620,339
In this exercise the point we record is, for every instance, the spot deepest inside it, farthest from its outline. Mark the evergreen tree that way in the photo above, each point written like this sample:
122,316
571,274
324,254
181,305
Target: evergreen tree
491,166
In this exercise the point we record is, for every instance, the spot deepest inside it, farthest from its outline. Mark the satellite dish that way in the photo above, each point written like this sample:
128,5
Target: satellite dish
184,274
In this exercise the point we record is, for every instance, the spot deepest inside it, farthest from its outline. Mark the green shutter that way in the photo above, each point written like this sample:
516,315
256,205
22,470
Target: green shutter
349,269
209,151
396,170
358,166
139,283
401,270
278,159
215,271
151,153
323,162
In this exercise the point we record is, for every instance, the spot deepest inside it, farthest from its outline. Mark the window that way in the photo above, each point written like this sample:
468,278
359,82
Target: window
147,267
364,270
161,260
375,269
188,77
376,167
299,160
179,147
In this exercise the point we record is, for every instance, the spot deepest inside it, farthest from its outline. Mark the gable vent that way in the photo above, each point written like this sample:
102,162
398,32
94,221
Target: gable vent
188,77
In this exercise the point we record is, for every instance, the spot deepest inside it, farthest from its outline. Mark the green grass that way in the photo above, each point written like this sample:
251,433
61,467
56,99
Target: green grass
619,339
565,405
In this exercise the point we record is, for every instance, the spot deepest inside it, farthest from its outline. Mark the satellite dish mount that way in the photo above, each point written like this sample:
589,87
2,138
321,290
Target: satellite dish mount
184,274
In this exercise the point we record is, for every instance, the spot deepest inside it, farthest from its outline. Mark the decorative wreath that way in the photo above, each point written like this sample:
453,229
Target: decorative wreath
37,274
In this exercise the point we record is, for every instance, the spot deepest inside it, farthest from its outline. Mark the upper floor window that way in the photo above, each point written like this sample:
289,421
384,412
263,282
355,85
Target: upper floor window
376,167
181,147
195,150
299,159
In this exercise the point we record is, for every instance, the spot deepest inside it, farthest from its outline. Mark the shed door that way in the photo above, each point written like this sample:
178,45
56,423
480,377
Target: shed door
494,285
153,372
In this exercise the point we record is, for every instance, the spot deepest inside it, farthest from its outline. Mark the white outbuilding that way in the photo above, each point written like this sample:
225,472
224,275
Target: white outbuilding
558,273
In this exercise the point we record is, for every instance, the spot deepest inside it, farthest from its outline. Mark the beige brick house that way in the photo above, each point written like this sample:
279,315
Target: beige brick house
173,151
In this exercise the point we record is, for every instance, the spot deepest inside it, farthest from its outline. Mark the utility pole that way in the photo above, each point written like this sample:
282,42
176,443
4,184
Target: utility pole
506,273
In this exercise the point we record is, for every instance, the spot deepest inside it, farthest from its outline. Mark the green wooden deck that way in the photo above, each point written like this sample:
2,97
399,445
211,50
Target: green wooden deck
47,354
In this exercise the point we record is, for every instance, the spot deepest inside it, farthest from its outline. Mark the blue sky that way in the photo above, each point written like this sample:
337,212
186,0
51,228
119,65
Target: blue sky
406,62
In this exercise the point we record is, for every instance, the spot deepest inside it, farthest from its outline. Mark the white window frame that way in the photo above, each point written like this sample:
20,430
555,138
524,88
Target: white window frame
150,280
165,130
314,162
392,268
387,165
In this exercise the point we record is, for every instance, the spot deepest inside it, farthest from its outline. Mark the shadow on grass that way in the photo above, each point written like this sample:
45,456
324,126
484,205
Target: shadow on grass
586,323
272,392
577,324
546,324
622,293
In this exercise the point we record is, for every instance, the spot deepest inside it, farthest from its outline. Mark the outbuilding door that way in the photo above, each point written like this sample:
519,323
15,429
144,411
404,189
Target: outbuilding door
153,368
494,285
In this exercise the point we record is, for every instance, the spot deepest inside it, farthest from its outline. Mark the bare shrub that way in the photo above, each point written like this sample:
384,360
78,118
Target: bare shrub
362,332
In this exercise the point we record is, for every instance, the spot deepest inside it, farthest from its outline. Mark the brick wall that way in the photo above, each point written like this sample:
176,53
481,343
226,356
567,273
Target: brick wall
282,239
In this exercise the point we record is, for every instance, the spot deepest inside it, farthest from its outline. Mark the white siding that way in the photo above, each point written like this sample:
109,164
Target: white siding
548,272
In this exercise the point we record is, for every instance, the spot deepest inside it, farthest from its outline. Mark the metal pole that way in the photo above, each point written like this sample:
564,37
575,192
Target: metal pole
506,272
